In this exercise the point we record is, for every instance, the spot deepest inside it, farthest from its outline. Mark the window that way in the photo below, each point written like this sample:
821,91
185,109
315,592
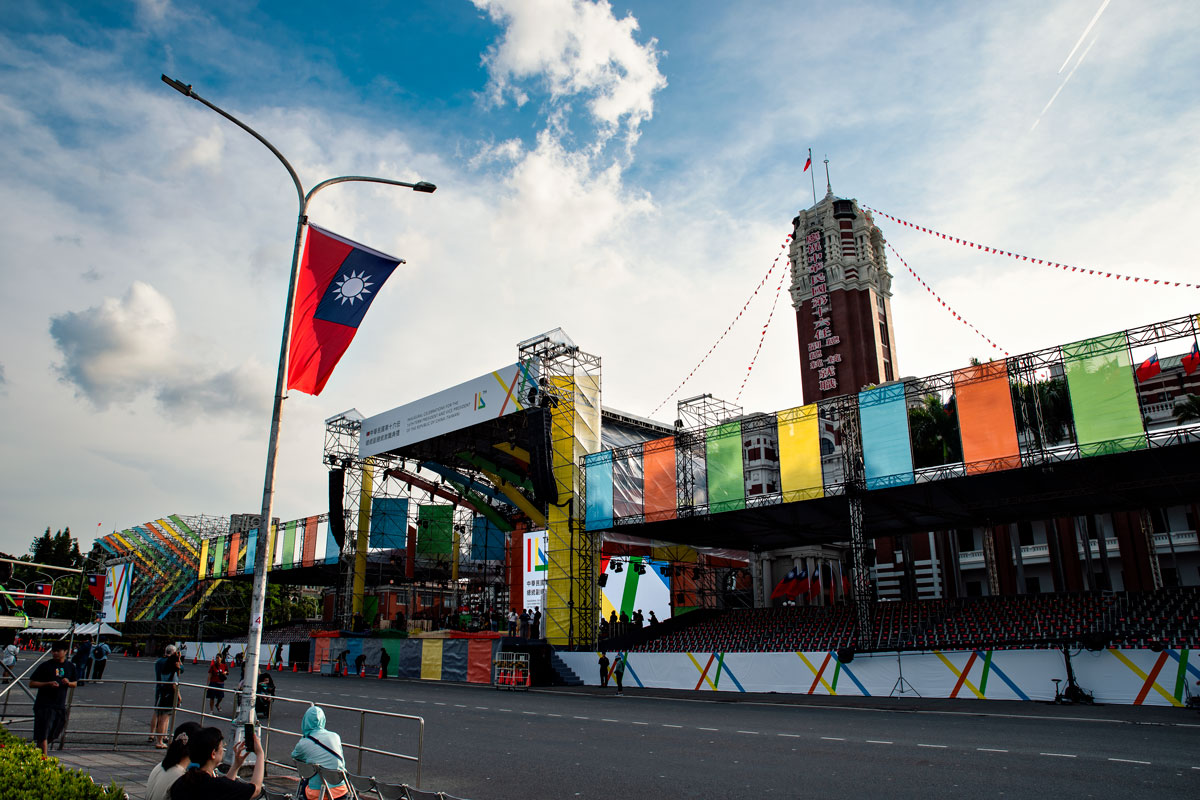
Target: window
769,454
1033,585
827,446
756,489
755,454
770,488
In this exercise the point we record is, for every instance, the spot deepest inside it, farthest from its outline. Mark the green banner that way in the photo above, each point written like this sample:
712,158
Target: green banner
1103,396
289,544
726,481
220,565
435,530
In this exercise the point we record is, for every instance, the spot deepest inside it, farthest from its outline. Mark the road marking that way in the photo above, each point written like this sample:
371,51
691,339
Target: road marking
1057,755
504,709
833,738
792,735
482,708
641,723
991,750
459,705
939,746
1131,761
532,713
877,741
665,725
554,715
754,733
419,701
606,719
707,729
435,703
582,718
364,697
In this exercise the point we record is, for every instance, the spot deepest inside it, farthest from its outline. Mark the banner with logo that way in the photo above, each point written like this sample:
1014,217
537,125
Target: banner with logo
534,569
116,593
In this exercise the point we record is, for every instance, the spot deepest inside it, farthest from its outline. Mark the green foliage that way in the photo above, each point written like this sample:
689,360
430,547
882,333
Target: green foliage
1187,409
25,773
1053,401
934,431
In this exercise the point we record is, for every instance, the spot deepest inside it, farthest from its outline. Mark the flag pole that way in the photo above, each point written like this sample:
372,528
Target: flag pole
812,174
258,599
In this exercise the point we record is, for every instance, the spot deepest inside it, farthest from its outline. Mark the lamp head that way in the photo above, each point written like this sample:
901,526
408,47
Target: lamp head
419,186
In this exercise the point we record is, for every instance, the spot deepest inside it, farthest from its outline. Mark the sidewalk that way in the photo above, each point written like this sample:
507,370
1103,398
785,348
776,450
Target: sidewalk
130,767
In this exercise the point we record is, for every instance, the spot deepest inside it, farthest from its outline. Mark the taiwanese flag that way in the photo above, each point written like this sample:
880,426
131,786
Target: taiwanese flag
96,587
807,163
43,588
338,280
814,586
801,583
785,586
1149,368
1192,359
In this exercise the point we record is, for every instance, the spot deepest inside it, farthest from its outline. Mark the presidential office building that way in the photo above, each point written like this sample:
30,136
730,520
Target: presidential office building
842,292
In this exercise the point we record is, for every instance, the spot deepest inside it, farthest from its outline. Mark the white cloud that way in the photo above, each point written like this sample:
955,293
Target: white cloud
575,48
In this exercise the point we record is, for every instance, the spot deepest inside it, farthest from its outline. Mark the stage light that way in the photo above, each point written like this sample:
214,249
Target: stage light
532,395
617,567
602,580
667,571
639,568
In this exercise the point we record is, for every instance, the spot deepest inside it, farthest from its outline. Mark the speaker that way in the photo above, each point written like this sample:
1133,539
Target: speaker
541,472
337,512
1095,641
845,654
602,580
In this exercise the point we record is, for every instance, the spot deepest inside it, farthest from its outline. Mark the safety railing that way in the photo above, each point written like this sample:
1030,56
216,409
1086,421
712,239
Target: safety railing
133,699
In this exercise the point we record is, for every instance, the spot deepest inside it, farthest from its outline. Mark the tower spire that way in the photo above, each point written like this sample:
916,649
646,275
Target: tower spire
828,185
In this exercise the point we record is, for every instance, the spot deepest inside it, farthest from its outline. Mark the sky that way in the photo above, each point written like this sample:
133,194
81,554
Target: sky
627,171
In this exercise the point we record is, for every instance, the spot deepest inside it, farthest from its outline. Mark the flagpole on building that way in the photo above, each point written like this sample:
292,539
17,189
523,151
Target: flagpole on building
812,174
262,555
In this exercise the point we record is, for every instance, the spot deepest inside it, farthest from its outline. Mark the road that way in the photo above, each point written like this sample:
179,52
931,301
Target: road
485,744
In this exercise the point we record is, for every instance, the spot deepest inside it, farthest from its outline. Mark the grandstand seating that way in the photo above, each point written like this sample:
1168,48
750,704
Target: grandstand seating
1165,618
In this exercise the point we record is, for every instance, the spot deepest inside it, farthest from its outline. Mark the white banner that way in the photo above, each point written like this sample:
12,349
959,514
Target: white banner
487,397
116,593
535,565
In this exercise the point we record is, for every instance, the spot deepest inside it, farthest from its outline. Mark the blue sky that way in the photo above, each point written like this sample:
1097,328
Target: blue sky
626,171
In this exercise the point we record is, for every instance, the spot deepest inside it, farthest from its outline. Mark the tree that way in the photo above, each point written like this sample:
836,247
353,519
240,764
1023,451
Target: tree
934,431
1057,421
1187,409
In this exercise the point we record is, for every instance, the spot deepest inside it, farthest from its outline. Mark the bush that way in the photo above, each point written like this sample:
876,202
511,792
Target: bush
24,773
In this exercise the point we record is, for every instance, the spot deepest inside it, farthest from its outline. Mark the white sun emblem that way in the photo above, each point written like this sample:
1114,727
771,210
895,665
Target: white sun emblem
353,286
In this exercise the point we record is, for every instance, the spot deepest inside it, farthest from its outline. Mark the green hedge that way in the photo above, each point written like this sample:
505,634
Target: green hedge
25,773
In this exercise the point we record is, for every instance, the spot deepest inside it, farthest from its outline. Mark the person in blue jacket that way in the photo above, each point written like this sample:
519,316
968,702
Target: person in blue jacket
322,747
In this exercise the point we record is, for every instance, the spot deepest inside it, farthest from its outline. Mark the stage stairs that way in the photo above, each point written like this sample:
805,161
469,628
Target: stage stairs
564,675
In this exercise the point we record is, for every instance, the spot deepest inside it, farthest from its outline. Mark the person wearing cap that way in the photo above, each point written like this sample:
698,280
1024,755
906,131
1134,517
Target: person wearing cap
52,679
166,694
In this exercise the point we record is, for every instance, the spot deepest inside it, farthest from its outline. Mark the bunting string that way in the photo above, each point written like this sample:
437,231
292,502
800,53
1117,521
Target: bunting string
763,336
700,363
946,306
1099,273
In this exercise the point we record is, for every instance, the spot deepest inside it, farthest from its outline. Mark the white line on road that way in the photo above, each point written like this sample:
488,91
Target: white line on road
531,713
554,715
436,703
582,718
833,738
792,735
1131,761
459,705
605,719
707,729
1057,755
939,746
482,708
754,733
877,741
641,723
990,750
665,725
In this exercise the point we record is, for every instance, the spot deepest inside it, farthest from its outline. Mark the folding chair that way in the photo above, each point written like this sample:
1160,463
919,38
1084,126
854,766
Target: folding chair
420,794
336,777
391,791
268,794
306,771
361,784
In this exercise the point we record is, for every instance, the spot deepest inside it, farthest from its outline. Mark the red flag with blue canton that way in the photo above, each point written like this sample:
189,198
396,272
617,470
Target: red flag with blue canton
96,587
338,280
1192,359
1148,368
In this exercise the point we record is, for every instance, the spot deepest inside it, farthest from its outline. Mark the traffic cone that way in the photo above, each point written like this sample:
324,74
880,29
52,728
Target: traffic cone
294,666
381,673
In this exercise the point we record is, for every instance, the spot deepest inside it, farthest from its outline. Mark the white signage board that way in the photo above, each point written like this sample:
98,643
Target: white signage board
116,592
489,396
535,568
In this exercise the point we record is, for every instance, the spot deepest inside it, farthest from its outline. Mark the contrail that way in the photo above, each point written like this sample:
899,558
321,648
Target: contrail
1054,96
1083,36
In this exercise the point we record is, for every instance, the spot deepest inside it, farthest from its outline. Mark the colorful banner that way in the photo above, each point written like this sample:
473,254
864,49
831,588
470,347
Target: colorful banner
632,590
435,530
987,426
598,472
887,453
800,475
117,584
723,459
1103,396
389,523
534,569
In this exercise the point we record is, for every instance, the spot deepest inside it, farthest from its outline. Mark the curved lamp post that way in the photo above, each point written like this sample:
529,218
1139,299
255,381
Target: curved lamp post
258,599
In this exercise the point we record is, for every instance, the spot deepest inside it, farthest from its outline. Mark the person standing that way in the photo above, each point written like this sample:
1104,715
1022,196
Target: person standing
524,623
99,660
537,622
653,619
384,661
166,695
52,679
603,670
619,671
8,660
218,671
512,622
83,658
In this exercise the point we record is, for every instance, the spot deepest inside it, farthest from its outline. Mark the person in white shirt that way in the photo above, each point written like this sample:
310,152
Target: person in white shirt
8,660
174,763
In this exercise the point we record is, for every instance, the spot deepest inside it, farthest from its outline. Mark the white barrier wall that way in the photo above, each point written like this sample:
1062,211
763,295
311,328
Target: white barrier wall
1113,676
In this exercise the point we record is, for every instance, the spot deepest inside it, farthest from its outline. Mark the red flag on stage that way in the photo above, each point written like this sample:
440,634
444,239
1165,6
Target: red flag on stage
1149,368
1192,359
338,280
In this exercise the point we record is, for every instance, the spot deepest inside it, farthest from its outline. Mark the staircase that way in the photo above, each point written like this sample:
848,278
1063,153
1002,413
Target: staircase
564,675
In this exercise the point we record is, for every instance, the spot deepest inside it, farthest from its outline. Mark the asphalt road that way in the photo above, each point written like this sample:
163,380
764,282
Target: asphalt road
484,744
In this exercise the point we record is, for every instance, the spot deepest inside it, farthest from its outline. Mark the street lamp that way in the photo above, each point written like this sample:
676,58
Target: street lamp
258,599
